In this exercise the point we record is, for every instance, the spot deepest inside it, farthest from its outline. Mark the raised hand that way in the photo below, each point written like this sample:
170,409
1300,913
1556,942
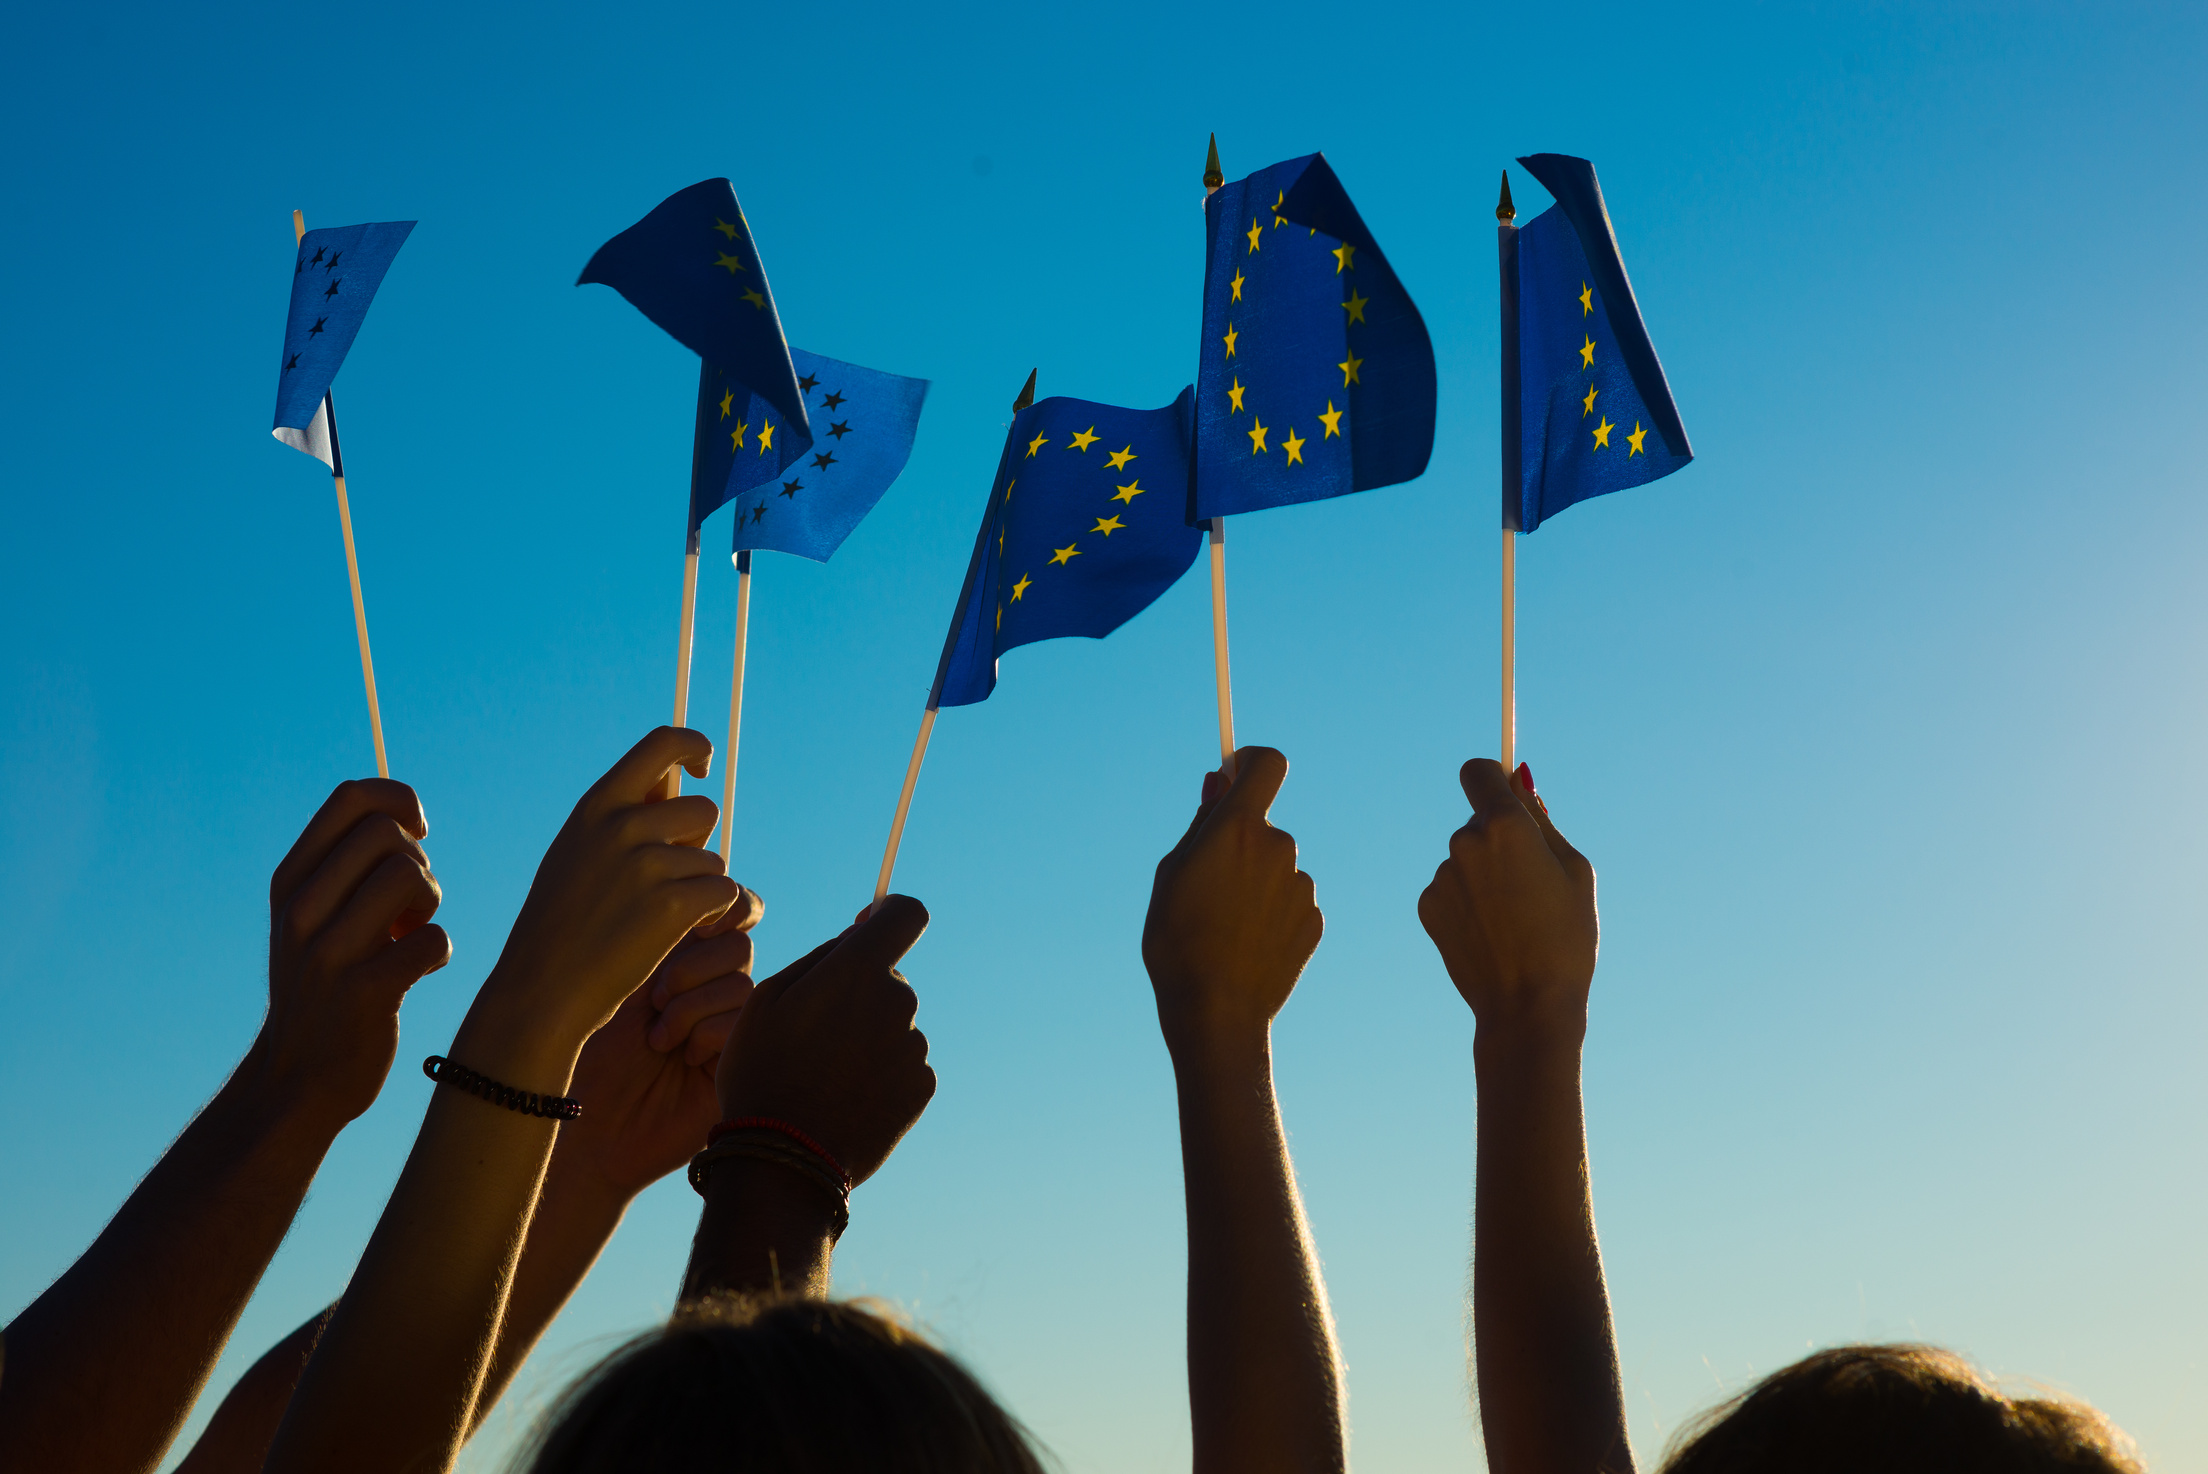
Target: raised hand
626,877
349,934
828,1044
1512,909
1232,920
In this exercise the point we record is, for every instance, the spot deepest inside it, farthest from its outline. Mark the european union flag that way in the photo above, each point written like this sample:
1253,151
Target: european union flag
332,282
691,267
807,503
1317,377
1578,365
1079,537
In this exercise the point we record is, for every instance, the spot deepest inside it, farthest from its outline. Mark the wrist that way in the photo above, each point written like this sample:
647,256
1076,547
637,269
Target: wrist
1539,1041
514,1044
282,1107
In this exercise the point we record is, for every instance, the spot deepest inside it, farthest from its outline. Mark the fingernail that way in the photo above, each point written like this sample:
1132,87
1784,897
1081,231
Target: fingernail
1215,783
1525,777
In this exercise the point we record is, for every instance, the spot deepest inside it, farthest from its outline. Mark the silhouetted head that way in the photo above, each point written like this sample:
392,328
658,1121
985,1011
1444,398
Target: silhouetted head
784,1384
1896,1410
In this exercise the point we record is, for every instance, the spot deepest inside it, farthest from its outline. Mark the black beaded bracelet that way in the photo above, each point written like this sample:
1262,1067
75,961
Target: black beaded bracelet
528,1102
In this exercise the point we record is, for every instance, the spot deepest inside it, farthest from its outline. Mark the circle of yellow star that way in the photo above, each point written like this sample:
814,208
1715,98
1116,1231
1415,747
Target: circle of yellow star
1084,440
1294,447
1356,306
1032,446
1065,554
1257,434
1108,525
1332,419
1128,493
1635,440
1349,370
1019,590
1231,336
1120,458
1236,285
1602,433
1234,397
1344,258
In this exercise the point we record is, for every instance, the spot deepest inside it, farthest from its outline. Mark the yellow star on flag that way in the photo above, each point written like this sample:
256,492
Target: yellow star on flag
1344,258
727,399
1602,433
756,300
1635,440
1108,525
736,436
1231,336
1257,436
1120,458
733,265
1084,440
1019,590
1587,407
1236,285
1356,305
1065,554
724,228
1349,370
1256,230
1294,447
1587,354
766,437
1128,493
1234,396
1586,299
1032,446
1332,419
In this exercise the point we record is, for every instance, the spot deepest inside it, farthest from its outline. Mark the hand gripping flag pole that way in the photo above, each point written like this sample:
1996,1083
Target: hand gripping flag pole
352,559
1506,253
935,697
1213,179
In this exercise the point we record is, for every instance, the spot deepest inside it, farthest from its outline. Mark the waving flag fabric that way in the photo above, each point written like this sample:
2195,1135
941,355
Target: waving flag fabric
690,266
1085,527
804,503
1593,411
1317,377
333,280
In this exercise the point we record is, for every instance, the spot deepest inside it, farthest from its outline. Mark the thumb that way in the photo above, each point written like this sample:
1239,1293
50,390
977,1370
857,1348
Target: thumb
1521,783
1215,784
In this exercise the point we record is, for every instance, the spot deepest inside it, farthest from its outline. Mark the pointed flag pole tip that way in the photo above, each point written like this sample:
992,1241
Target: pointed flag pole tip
1505,211
1027,395
1212,177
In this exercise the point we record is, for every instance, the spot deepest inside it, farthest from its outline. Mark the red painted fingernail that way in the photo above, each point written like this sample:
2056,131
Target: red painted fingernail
1215,783
1525,777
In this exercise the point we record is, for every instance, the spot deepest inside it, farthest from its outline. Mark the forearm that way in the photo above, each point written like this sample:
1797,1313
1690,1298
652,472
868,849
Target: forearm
394,1382
1264,1377
1551,1401
573,1222
764,1229
236,1439
105,1366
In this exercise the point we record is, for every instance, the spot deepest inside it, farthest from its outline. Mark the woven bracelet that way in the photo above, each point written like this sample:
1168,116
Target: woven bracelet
769,1146
528,1102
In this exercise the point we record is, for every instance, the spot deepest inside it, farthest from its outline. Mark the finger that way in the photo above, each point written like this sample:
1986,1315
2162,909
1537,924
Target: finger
700,897
1489,789
892,925
1258,774
346,806
1522,783
398,885
402,964
374,839
708,1039
638,776
699,961
742,916
790,976
689,820
1215,783
723,995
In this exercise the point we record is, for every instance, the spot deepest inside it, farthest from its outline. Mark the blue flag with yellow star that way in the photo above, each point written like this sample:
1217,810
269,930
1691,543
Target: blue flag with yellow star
803,503
333,280
1578,365
1317,377
1078,539
690,266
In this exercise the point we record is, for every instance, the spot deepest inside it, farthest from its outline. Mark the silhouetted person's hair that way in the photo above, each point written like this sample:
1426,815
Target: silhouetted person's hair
784,1384
1896,1410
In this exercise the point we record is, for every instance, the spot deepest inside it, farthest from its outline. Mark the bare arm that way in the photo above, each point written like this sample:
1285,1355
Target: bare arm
1513,913
1232,923
106,1364
398,1375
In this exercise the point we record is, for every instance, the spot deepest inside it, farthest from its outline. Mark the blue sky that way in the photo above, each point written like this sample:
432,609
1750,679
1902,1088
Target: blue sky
1881,721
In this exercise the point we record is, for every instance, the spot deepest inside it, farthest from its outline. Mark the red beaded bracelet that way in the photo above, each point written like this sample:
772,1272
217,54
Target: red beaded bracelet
768,1123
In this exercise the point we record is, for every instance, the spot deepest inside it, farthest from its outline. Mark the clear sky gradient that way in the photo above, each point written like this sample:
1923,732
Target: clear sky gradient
1882,721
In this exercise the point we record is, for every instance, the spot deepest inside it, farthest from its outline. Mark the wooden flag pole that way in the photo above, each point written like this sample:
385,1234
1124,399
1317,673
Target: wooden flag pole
1213,179
352,558
927,716
682,650
735,702
1506,231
